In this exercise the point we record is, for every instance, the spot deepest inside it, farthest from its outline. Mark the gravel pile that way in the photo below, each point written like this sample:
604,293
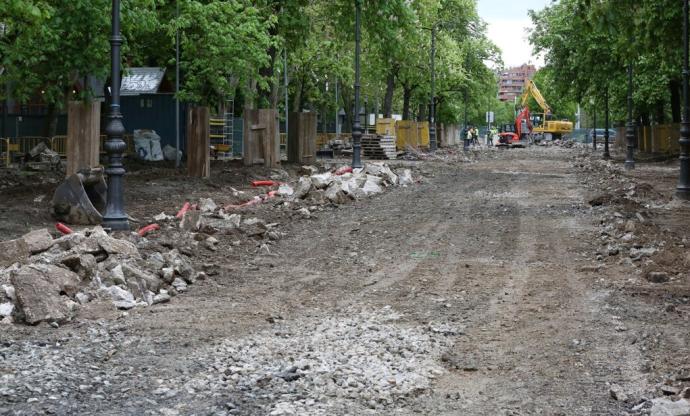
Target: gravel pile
359,363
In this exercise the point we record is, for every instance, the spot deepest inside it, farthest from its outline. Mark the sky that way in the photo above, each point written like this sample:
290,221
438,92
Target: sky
508,21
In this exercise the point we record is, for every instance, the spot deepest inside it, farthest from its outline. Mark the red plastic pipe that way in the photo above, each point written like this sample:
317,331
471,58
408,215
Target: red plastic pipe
63,228
182,210
147,229
264,183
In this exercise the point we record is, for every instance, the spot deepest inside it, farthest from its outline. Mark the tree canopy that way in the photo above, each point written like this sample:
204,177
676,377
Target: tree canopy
236,48
589,45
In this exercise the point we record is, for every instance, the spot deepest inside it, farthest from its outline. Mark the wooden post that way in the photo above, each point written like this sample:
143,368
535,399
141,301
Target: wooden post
83,135
261,138
198,142
302,138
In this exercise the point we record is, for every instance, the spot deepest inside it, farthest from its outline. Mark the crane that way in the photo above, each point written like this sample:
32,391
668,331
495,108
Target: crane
547,128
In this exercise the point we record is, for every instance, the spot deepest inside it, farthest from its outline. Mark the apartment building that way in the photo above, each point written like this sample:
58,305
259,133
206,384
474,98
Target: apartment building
512,80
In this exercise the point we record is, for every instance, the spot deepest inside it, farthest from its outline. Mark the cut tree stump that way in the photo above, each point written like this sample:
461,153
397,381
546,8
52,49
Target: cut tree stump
301,144
83,135
199,142
261,138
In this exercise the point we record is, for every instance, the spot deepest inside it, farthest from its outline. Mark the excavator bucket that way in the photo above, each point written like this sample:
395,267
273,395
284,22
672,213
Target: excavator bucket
81,198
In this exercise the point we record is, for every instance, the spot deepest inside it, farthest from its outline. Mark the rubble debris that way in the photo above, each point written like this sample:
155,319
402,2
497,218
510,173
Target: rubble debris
322,180
39,290
38,240
54,277
207,205
658,277
13,251
667,407
304,185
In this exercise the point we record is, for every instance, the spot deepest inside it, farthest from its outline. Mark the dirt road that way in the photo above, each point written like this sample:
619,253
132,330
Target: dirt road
476,292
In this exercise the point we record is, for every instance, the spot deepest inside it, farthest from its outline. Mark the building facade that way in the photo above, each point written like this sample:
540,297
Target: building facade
512,81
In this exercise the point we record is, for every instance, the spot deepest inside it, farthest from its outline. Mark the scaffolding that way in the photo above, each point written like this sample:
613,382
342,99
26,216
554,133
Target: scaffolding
221,131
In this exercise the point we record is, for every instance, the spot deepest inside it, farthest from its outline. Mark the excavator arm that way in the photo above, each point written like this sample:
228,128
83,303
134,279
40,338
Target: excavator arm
532,90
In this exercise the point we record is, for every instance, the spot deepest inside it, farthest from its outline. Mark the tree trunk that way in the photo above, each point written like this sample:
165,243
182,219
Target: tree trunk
407,96
421,114
659,112
674,86
388,99
50,128
265,95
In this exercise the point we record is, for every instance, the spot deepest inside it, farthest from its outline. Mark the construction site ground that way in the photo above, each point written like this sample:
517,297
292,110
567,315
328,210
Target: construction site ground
490,287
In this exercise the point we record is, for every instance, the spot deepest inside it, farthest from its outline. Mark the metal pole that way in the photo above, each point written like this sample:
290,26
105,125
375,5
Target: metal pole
465,142
432,115
594,127
337,130
177,89
285,81
5,110
357,126
683,188
630,126
115,217
607,155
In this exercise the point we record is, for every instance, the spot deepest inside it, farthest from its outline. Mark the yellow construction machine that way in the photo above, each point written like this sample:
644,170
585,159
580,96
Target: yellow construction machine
543,125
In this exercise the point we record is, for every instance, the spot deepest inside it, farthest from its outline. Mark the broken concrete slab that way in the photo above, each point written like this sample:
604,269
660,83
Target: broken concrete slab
335,194
207,205
405,178
13,251
149,281
121,298
371,188
6,309
191,221
304,186
39,290
38,240
285,190
321,181
308,170
667,407
117,246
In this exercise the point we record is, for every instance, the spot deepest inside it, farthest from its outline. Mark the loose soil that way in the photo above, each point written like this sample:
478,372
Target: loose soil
502,250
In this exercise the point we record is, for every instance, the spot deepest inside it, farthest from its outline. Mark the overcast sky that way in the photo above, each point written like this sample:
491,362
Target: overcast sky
508,21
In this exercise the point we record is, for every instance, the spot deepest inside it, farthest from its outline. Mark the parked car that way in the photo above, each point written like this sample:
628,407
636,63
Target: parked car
600,135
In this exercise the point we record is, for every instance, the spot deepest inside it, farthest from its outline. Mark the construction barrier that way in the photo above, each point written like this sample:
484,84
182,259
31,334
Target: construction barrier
385,126
662,138
423,134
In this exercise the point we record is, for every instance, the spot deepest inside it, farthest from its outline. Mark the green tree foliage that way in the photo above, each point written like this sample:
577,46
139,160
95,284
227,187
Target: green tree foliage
589,44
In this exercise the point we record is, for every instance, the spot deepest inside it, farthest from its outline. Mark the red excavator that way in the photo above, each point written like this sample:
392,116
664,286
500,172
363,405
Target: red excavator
516,135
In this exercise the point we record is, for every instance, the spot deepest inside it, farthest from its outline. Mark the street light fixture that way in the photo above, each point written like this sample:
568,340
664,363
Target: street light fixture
356,125
115,217
683,188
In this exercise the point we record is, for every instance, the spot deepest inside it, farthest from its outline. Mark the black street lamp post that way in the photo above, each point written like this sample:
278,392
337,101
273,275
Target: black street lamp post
432,115
607,155
465,142
683,188
594,127
630,126
356,125
115,217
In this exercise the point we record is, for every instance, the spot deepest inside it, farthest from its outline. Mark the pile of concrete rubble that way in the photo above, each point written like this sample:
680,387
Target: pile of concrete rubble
342,185
43,279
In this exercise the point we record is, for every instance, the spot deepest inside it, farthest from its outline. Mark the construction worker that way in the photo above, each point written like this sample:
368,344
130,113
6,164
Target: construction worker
475,136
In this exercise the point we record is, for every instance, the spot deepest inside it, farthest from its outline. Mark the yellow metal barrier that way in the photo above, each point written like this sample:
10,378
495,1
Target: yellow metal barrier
423,134
406,134
385,126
